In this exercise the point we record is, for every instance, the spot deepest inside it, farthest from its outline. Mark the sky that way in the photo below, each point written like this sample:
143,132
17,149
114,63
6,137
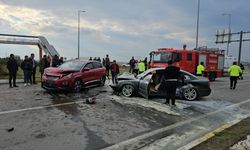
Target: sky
122,28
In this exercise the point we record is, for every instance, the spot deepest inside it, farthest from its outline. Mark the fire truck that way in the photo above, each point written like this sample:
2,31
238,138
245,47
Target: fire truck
188,60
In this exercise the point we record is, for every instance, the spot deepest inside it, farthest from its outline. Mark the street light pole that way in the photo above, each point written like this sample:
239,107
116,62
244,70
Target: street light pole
79,12
229,31
197,26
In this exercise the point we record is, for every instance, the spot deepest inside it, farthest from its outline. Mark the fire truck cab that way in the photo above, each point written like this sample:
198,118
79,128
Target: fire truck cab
188,60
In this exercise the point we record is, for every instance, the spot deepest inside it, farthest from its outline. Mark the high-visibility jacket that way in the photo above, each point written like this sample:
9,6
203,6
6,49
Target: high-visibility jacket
200,69
141,67
234,70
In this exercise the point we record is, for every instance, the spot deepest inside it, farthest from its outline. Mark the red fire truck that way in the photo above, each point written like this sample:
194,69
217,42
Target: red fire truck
188,60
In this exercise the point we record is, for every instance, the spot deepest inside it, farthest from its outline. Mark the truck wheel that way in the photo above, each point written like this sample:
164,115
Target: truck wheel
211,76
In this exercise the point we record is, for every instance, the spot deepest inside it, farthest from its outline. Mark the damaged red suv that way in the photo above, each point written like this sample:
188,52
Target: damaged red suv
74,75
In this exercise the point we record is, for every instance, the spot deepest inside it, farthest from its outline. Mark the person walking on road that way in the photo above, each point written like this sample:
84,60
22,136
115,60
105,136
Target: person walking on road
27,67
200,69
114,67
234,72
12,67
141,67
171,75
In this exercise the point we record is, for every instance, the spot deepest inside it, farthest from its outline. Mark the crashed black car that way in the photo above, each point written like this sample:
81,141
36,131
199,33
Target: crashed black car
189,88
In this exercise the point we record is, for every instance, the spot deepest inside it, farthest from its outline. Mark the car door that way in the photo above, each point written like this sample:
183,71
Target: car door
98,71
144,82
88,73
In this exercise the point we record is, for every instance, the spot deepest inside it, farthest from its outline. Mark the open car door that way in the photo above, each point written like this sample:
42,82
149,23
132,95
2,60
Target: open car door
144,85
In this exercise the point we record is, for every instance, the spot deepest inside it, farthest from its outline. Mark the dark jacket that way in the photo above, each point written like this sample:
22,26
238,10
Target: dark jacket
12,65
44,63
27,65
112,68
171,72
132,62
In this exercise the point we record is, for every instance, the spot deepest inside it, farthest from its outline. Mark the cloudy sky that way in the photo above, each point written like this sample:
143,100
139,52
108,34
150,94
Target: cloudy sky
122,28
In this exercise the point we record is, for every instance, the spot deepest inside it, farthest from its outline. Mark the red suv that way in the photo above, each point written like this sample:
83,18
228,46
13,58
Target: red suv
74,75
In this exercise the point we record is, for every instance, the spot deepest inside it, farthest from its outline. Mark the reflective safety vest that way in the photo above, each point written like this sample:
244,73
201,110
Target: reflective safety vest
141,67
200,69
234,70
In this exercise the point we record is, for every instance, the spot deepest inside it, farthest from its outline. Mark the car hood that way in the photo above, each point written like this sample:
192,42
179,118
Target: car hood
126,76
53,70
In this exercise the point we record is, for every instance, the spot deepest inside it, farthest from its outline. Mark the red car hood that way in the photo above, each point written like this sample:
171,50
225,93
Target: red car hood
58,71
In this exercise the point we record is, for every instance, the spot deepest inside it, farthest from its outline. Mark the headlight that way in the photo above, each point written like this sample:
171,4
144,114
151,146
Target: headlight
67,76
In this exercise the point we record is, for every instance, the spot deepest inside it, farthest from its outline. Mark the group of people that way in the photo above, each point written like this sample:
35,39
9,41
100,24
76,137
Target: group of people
137,67
235,71
29,66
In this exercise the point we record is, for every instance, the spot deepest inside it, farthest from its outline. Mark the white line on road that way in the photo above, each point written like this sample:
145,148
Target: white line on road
123,144
40,107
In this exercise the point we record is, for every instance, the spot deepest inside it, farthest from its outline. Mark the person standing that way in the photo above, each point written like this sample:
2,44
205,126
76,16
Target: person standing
200,69
146,63
114,68
12,67
107,64
141,67
55,61
132,65
234,72
171,75
44,63
27,67
34,64
242,69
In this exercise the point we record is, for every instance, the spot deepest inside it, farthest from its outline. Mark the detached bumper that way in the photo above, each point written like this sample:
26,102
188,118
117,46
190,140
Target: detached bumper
115,87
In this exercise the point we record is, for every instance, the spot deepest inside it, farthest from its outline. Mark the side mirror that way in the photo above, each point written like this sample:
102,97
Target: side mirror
85,69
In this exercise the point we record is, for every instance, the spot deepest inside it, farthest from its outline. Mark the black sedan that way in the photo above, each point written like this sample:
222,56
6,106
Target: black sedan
145,84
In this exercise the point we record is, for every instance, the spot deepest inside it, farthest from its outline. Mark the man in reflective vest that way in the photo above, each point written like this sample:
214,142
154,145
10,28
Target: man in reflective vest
234,72
200,69
141,67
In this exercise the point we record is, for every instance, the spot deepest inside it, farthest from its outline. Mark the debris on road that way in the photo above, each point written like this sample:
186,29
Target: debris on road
10,129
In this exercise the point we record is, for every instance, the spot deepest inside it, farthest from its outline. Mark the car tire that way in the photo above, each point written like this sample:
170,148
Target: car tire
127,90
190,94
77,87
103,80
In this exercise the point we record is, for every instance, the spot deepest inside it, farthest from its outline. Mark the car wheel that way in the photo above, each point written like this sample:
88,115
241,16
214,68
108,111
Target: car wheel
103,80
190,94
127,90
77,86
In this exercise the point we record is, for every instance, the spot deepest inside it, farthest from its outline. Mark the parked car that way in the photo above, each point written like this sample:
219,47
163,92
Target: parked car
74,75
190,88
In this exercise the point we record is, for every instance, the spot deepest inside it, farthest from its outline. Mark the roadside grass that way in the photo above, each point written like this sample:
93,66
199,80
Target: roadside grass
227,138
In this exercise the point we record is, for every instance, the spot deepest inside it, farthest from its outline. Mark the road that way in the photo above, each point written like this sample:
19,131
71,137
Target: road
61,121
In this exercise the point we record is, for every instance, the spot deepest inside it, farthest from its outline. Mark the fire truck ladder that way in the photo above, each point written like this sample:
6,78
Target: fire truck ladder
40,41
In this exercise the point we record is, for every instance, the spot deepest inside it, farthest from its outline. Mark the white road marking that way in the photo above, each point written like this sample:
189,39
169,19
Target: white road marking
40,107
178,124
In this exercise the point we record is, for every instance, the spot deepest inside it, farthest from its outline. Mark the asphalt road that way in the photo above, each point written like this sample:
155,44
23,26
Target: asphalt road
61,121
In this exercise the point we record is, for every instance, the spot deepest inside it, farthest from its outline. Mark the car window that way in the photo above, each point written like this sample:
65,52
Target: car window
97,65
89,65
148,77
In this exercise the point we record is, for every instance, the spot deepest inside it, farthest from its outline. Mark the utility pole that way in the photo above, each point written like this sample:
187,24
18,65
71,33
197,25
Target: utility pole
220,39
197,26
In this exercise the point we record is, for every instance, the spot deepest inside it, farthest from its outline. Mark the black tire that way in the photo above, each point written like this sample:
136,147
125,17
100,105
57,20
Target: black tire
127,90
190,94
103,80
212,76
77,87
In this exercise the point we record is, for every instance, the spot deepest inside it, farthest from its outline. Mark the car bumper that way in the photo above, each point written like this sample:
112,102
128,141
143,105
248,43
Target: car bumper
54,85
204,92
115,87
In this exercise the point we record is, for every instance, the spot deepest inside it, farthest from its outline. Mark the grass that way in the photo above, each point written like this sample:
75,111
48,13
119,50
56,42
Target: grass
227,138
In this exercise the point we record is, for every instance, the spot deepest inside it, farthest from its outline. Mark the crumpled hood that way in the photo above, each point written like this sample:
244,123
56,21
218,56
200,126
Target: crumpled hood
57,71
